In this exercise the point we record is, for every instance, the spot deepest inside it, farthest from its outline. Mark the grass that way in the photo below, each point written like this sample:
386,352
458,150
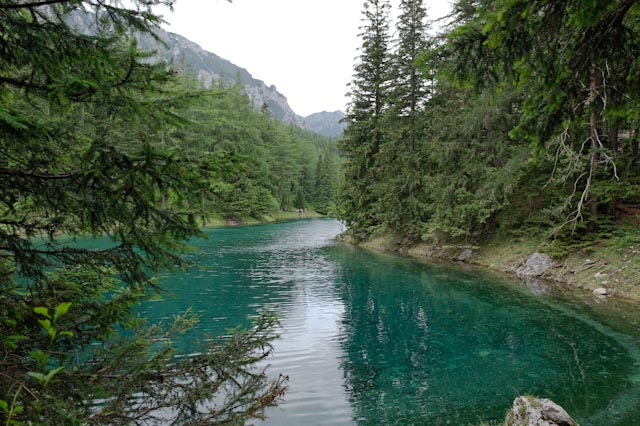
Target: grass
610,260
218,221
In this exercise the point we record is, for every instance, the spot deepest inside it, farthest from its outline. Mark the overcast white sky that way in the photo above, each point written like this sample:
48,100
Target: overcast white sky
306,48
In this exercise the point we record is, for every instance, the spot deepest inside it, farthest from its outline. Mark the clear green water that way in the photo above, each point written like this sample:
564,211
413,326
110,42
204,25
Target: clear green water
372,339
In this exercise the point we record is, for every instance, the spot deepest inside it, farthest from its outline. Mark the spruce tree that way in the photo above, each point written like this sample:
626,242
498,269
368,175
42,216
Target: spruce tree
410,88
369,93
85,120
574,65
325,188
401,160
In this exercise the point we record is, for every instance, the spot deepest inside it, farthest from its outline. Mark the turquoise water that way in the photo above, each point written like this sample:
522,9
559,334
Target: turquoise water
371,339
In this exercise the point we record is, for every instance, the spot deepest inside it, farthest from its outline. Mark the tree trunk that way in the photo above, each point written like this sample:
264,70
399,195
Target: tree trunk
593,134
613,139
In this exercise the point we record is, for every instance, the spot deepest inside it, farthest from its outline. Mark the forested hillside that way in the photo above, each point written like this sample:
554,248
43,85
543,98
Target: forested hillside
211,69
520,119
98,140
270,166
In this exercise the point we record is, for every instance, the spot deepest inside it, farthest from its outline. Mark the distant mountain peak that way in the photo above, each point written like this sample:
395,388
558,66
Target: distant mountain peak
326,123
209,67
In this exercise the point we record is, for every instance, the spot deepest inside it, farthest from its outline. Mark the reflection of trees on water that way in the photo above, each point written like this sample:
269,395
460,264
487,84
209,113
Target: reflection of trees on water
232,280
386,342
419,344
430,345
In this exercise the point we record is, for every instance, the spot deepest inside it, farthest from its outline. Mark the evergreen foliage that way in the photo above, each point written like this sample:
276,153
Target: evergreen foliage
274,162
326,184
97,141
403,186
364,135
520,115
572,64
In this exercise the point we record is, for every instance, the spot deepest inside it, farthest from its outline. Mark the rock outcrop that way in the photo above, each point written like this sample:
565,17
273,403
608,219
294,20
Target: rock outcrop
465,255
211,68
528,411
535,265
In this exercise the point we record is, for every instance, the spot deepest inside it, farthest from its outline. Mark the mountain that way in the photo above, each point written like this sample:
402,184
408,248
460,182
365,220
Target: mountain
209,67
326,123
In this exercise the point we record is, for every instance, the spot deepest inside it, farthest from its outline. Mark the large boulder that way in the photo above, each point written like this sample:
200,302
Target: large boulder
528,411
465,255
535,265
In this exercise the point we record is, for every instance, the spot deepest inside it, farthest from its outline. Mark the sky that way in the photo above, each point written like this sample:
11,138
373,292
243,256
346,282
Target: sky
306,48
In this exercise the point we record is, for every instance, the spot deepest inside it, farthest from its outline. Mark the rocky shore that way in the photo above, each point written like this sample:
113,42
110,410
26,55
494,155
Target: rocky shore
603,273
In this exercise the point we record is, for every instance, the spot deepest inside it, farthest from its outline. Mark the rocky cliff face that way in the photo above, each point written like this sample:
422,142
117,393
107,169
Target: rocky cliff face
209,67
183,53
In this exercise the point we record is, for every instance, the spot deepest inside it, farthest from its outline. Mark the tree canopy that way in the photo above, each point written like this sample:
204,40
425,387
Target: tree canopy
369,93
89,131
527,119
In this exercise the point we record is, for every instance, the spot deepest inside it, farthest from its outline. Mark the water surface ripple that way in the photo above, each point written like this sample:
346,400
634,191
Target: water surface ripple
374,339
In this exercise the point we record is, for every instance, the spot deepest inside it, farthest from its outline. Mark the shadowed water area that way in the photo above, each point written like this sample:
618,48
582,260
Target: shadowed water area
371,339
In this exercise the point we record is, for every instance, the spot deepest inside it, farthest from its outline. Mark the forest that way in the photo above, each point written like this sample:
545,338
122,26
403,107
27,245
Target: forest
518,118
266,167
99,139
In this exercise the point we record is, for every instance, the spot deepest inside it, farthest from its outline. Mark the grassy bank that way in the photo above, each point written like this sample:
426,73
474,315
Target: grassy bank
217,221
613,264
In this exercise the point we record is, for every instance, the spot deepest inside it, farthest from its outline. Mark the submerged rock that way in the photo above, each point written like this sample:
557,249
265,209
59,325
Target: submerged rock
537,286
529,411
535,265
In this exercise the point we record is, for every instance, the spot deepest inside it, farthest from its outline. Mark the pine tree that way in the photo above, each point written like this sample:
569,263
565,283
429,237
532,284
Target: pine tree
85,123
301,201
306,183
369,92
325,188
574,65
410,88
401,161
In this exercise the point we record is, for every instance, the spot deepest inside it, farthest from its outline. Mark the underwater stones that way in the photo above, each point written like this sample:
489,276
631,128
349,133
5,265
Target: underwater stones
529,411
537,286
535,265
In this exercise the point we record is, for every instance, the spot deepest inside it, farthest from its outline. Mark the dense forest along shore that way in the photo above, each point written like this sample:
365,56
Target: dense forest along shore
509,133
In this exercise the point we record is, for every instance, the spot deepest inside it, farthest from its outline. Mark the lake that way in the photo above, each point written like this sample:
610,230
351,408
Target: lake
374,339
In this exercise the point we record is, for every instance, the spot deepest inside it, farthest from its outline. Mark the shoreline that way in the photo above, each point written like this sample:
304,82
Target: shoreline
576,273
615,315
220,222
